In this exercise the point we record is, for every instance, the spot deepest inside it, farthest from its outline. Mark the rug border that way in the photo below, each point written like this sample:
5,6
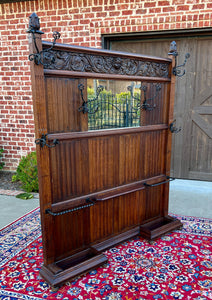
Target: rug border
18,219
8,293
185,216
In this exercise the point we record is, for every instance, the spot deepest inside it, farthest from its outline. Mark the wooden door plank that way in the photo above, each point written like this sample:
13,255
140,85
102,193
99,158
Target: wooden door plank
203,110
202,124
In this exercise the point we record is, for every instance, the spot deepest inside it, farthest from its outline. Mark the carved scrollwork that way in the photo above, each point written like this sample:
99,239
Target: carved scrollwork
84,62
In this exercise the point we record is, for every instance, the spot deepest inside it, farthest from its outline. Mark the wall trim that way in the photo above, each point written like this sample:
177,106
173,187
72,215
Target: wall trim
181,33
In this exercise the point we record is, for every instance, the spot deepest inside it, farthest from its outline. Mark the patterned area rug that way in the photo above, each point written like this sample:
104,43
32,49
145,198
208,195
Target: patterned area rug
176,266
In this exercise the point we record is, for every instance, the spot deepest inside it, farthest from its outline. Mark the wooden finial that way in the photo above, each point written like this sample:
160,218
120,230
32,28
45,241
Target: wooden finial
34,24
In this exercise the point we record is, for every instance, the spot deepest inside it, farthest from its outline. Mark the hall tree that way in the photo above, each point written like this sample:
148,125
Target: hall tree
98,187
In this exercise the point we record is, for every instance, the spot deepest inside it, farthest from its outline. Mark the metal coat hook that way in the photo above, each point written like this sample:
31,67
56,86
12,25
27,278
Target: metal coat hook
173,51
145,105
176,70
39,56
84,107
42,142
173,128
34,27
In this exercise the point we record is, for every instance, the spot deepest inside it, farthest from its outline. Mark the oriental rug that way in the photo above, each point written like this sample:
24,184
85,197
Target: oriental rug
176,266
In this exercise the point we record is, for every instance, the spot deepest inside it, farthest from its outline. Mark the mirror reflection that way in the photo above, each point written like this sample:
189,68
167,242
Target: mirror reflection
113,104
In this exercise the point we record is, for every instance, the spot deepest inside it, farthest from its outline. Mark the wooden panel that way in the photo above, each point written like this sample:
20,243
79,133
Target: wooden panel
124,217
158,104
200,161
70,233
63,100
85,166
108,218
192,91
201,148
154,159
101,220
101,163
153,202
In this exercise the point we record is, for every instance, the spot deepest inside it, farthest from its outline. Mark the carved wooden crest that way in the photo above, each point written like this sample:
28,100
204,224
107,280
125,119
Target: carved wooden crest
84,62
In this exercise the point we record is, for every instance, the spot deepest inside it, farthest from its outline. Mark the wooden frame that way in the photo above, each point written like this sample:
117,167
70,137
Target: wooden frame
97,188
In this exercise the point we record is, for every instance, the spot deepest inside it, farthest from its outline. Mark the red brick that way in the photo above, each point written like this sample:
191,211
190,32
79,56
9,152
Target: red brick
84,21
96,8
183,7
127,12
198,6
168,9
114,13
163,3
122,7
149,4
155,10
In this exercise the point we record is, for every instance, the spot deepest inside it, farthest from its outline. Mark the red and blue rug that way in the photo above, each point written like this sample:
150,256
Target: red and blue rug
176,266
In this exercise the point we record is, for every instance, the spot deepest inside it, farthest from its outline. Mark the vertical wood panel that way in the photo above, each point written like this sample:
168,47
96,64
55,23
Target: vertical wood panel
63,100
101,221
154,199
123,216
90,165
85,166
69,230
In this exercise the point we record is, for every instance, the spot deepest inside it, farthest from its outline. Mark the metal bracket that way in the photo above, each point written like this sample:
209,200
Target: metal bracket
34,26
84,107
159,183
42,141
173,128
176,69
145,105
39,56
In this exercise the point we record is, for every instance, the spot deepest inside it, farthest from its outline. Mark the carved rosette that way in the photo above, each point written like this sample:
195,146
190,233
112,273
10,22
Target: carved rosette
103,64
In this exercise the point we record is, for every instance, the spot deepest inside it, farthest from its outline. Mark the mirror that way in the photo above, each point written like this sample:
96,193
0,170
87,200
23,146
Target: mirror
116,104
113,104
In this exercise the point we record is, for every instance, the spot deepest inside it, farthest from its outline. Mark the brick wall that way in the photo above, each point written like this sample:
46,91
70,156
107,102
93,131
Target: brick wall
80,22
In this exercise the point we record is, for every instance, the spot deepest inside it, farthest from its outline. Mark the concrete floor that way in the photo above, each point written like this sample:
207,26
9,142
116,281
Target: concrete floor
187,197
191,198
12,208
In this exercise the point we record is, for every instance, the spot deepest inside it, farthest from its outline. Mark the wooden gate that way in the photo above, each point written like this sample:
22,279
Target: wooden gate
99,187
